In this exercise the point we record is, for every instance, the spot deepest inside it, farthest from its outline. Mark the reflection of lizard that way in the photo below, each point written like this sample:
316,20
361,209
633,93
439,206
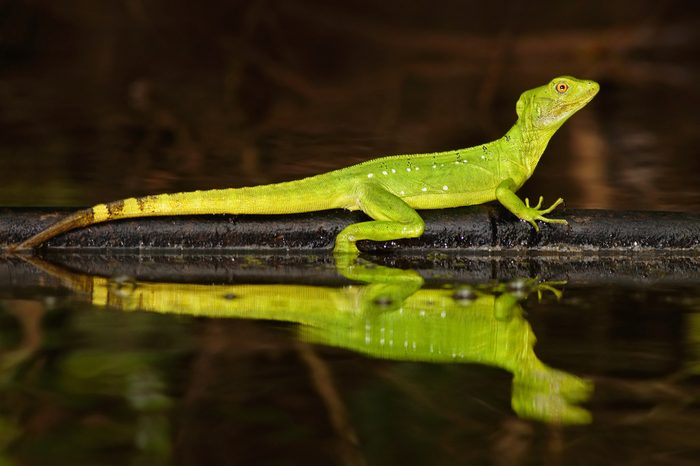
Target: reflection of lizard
390,316
388,189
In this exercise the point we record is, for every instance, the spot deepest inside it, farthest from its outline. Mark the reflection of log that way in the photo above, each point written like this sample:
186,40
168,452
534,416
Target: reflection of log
310,269
481,228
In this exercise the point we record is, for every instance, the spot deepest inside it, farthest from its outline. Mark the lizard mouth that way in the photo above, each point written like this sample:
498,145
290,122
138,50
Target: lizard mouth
570,108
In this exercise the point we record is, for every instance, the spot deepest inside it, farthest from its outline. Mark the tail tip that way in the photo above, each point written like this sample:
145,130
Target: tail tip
18,247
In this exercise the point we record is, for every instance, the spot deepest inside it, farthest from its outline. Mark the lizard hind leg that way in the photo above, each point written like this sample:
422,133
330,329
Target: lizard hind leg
392,219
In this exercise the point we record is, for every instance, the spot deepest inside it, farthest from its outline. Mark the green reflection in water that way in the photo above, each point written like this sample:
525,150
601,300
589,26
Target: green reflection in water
72,391
389,315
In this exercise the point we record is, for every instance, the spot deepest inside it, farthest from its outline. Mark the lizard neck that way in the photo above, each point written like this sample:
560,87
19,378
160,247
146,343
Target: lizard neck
529,141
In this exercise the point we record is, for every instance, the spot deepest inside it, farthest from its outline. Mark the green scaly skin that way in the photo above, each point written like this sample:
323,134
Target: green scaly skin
387,189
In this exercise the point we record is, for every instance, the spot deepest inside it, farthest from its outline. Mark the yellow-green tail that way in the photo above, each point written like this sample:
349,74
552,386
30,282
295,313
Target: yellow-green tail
125,208
76,220
306,195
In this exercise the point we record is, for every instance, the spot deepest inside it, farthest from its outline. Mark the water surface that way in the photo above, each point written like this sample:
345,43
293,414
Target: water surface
387,368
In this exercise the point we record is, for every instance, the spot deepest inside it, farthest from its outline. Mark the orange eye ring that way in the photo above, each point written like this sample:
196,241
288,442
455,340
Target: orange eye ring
561,87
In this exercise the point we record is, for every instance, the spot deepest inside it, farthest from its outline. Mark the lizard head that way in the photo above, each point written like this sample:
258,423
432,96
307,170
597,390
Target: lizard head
549,106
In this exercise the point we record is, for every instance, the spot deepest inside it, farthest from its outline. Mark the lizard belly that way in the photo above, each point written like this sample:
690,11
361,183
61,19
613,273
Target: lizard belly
446,199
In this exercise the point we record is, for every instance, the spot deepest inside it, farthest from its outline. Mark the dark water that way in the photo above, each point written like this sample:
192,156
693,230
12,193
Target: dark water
244,362
387,369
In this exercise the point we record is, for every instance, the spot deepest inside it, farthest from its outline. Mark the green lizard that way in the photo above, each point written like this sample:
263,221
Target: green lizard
387,189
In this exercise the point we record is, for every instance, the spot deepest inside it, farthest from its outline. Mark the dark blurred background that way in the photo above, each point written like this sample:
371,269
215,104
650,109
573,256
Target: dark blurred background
113,98
108,99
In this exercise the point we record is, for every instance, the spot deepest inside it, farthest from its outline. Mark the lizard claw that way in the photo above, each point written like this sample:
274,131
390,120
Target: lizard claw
535,213
345,247
551,208
539,204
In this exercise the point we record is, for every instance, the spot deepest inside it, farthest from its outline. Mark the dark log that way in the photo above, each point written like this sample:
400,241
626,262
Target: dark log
480,229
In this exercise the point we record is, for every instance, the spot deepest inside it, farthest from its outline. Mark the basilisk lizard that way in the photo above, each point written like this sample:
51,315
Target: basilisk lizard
387,189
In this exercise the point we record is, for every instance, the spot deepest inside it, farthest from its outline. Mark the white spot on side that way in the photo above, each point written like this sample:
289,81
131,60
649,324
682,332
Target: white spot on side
445,188
434,166
370,175
483,157
424,189
443,314
408,169
417,168
385,172
393,170
402,192
465,161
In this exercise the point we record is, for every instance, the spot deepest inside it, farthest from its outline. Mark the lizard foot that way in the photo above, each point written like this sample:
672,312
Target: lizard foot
535,213
345,249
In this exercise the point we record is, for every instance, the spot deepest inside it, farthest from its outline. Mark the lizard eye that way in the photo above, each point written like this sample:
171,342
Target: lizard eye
561,87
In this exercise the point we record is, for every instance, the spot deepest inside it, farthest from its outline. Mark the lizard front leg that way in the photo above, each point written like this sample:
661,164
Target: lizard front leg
505,193
393,219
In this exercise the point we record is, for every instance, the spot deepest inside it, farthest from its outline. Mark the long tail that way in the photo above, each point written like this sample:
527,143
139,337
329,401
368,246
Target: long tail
78,219
149,206
305,195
